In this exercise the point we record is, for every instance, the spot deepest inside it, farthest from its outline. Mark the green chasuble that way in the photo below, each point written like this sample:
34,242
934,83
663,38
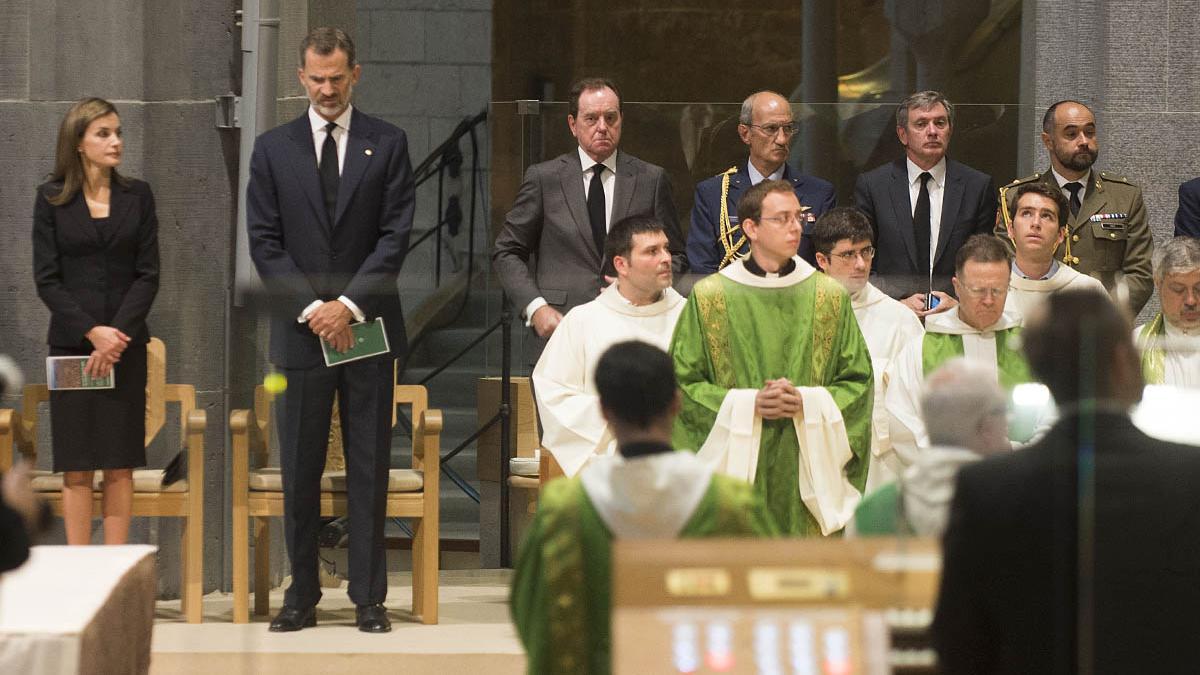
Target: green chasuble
736,332
561,590
1011,367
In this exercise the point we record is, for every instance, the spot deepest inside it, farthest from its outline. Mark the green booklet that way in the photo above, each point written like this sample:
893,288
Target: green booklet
66,372
370,339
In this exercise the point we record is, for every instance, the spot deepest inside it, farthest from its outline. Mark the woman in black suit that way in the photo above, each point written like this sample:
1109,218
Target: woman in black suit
95,257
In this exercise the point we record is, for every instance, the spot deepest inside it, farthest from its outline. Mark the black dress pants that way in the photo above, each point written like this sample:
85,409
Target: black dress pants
364,391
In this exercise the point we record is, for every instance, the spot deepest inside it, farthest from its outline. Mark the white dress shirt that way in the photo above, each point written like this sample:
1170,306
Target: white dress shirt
937,189
340,134
609,181
756,177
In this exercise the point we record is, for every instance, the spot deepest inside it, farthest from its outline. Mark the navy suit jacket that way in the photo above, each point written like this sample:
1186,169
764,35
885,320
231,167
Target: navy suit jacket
968,207
302,257
1187,217
89,276
704,250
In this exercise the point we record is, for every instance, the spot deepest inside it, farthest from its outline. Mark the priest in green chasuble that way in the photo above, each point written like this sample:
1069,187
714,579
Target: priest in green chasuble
776,377
561,587
978,329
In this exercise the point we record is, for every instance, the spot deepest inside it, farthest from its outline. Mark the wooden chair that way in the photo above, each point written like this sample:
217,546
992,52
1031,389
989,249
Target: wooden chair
258,494
184,499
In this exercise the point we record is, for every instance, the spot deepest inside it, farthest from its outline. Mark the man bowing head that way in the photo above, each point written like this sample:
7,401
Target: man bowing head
329,208
775,374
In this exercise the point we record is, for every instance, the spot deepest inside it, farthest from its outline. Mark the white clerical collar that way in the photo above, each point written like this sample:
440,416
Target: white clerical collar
587,162
1049,273
613,300
1062,181
318,123
937,171
1175,332
650,497
948,323
736,271
866,296
756,177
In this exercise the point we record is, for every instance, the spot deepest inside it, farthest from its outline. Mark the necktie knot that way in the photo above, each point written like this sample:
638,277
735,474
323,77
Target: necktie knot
1074,188
1074,202
330,127
924,177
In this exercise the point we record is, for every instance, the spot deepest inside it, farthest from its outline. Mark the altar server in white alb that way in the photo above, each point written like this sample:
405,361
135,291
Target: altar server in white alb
1037,228
978,329
1170,343
844,251
639,305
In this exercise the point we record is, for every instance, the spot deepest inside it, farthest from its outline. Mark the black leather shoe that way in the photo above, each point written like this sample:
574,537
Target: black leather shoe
293,618
372,619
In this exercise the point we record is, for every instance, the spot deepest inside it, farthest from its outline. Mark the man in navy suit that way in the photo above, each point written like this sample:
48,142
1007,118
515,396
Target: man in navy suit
329,212
767,126
1187,217
923,206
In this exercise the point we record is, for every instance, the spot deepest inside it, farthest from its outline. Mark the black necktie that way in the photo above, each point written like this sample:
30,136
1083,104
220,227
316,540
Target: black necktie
1074,189
329,171
595,204
921,224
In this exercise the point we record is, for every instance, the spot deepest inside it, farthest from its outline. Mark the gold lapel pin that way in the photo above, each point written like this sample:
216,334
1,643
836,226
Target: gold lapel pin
367,152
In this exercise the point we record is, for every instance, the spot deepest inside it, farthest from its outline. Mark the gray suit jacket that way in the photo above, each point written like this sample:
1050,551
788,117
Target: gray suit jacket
546,249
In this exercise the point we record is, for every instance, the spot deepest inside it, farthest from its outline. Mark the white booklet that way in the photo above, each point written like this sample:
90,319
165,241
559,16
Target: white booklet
66,372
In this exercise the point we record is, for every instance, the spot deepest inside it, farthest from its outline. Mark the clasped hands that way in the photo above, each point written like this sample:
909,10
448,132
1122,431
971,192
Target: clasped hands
108,344
778,399
330,321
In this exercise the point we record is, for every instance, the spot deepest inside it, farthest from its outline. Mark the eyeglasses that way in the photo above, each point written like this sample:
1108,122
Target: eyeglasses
788,219
867,255
981,292
788,129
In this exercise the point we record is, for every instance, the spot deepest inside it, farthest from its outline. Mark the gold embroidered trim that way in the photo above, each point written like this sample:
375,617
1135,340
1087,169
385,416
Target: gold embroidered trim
714,320
826,310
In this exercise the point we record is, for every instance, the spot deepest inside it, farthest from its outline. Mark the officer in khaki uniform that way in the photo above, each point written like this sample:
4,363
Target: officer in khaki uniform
1107,231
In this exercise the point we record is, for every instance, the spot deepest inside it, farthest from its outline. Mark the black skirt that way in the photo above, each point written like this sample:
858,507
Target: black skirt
101,429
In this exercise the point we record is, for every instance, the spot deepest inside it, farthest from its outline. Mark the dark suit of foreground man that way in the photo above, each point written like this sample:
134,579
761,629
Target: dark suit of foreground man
329,249
1045,572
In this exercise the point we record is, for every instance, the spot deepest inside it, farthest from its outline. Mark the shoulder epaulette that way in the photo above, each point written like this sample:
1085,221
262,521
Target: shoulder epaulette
1027,179
1112,178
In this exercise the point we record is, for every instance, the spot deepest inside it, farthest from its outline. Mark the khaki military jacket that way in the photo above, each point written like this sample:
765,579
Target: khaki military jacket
1109,237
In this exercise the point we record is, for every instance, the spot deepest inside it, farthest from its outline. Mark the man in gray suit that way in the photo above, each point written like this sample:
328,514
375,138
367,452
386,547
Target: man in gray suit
548,255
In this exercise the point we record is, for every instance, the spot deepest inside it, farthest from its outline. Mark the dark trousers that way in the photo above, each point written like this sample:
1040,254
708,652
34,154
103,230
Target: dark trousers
364,391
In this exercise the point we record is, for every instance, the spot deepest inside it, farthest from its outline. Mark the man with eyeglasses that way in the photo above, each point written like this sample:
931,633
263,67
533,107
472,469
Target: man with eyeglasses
1036,231
978,328
923,206
775,374
842,239
767,126
1170,342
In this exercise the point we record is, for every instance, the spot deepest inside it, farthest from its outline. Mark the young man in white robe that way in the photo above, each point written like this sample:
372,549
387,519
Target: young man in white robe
639,305
978,329
1170,343
1037,228
844,251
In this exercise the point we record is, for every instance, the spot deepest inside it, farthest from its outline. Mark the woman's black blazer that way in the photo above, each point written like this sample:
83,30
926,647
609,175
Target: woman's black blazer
90,276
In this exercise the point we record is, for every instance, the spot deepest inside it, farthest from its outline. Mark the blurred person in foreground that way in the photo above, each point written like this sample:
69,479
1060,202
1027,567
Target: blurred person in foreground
561,591
1081,552
966,417
22,514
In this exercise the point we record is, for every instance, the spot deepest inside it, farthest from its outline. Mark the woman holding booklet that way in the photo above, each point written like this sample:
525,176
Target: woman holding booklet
95,260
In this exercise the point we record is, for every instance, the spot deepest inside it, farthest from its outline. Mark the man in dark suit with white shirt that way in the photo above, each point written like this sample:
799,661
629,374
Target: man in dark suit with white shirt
548,254
923,206
329,212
